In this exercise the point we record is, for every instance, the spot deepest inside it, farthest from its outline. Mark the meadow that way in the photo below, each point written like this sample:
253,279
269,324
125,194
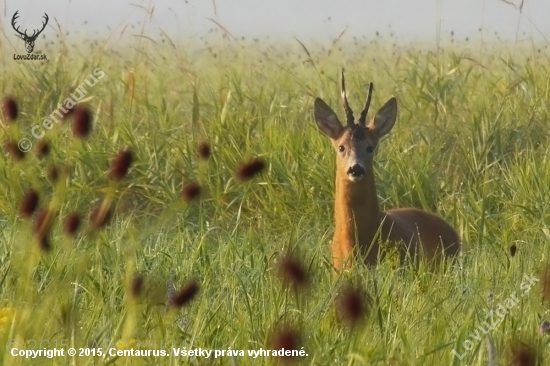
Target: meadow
470,144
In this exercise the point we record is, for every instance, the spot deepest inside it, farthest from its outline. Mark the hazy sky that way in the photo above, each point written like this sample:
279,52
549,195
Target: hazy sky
305,19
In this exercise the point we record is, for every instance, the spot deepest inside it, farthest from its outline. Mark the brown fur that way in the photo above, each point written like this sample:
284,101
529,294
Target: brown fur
359,221
419,232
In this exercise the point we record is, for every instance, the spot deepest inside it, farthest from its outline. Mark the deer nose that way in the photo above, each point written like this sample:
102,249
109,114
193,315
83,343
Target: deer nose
356,171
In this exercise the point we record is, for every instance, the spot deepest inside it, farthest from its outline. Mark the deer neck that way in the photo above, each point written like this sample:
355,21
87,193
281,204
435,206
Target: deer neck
357,216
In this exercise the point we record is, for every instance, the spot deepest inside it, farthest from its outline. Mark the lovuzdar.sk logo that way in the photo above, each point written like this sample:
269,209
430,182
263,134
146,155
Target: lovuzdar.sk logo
29,40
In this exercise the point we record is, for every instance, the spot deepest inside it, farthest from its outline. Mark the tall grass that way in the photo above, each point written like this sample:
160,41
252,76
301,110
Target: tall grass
470,144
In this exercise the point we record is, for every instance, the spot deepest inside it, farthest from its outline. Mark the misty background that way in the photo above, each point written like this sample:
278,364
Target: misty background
405,20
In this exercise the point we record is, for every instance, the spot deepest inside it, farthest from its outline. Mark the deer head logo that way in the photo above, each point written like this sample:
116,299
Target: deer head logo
29,40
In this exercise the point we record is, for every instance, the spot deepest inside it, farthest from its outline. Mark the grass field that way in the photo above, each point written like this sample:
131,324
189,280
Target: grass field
470,143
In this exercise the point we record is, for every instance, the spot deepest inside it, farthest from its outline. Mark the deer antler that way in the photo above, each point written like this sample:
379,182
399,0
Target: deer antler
15,16
347,109
34,35
363,117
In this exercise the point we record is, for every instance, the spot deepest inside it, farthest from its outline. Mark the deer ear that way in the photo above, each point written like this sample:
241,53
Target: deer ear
326,119
385,118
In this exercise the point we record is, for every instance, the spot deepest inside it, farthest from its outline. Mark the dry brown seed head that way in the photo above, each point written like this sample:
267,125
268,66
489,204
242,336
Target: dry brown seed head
12,149
29,203
351,305
292,272
191,191
250,169
204,150
136,286
72,224
121,164
44,243
42,149
82,122
9,106
287,338
523,355
185,295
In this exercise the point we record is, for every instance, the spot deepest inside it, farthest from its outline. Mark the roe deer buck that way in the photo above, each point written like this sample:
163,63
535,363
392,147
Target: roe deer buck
359,221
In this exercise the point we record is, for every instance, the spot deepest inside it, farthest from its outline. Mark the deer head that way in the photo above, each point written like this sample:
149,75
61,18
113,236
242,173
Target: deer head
355,143
29,40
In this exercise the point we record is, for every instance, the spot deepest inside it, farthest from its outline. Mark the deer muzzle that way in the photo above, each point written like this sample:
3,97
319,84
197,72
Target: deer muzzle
356,172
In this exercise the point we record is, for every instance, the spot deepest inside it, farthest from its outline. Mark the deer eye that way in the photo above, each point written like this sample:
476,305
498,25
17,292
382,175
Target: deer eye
341,148
370,149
